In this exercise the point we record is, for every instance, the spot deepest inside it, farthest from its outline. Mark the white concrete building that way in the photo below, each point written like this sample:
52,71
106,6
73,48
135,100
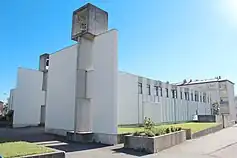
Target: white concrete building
79,88
221,91
27,98
140,97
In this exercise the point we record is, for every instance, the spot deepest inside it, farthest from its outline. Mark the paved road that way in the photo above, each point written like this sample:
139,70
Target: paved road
222,144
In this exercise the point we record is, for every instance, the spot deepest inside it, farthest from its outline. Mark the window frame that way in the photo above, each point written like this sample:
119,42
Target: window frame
140,88
148,89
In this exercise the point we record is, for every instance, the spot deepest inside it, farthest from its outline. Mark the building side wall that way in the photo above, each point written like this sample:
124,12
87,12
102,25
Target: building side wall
134,107
128,107
60,101
28,98
231,98
105,83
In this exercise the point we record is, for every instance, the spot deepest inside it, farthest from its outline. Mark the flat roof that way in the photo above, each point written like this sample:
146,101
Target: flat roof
204,81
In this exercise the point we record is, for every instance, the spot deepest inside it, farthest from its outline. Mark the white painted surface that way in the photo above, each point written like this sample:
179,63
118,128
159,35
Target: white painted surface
61,89
133,107
28,98
104,108
95,76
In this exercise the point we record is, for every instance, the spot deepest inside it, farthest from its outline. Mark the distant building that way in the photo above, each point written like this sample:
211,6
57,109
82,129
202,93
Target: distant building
221,91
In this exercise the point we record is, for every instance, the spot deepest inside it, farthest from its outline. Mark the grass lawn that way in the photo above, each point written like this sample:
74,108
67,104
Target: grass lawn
195,127
18,149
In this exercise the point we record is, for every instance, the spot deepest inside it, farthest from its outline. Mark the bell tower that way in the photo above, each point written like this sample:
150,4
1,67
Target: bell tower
88,21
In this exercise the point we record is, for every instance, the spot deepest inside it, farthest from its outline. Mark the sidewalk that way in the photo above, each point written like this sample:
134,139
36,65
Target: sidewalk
222,144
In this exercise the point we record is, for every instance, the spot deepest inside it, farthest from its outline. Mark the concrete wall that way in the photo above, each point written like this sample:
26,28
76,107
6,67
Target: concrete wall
83,78
28,98
133,107
105,83
60,102
231,97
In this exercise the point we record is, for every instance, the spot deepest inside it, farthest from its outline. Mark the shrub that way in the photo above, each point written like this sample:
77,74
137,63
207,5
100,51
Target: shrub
148,124
137,133
167,130
178,129
149,133
172,129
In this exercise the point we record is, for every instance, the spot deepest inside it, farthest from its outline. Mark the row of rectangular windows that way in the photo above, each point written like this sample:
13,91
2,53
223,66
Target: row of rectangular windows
158,90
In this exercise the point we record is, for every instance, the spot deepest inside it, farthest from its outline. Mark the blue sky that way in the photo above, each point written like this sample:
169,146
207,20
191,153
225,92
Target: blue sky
169,40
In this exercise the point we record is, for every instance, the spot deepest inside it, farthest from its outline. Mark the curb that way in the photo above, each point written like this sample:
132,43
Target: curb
56,154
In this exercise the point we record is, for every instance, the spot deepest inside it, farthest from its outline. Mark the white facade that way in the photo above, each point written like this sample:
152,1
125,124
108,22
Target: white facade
221,91
27,98
151,101
82,87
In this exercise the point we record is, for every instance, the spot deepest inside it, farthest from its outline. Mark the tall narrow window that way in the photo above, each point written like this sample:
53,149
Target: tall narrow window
139,88
196,96
156,90
181,95
204,98
186,95
167,92
191,96
174,93
149,89
161,94
200,98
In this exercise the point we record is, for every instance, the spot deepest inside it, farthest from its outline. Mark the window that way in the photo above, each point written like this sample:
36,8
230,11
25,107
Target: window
204,98
140,88
186,95
196,96
149,89
161,94
200,98
181,95
191,96
174,93
167,92
156,90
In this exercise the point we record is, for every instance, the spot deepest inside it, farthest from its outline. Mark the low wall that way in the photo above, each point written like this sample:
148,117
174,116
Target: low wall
154,144
109,139
206,118
204,132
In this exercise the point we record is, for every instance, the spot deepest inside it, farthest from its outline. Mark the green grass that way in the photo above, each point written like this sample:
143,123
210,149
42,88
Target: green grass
19,149
195,127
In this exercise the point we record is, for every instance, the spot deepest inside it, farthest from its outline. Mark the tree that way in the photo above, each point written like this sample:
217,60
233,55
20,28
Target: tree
216,108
